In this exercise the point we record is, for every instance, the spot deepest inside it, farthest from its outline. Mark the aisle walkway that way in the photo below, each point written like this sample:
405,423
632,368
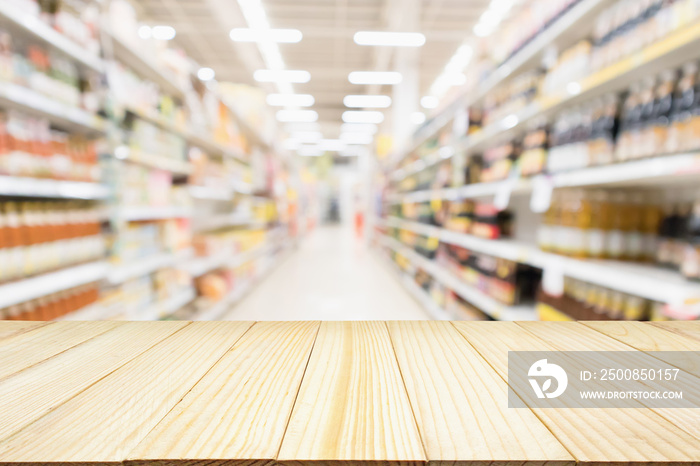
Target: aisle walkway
330,277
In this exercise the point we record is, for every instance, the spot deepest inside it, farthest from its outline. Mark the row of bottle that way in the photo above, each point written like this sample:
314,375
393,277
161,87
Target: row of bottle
30,148
54,305
586,301
621,225
37,237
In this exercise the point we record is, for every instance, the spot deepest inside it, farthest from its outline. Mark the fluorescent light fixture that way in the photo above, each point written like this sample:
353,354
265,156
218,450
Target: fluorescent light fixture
358,128
206,74
309,151
331,145
303,116
511,121
483,30
290,100
282,36
356,138
573,88
363,117
389,39
121,152
375,77
291,144
286,76
163,32
429,101
294,127
307,136
145,32
367,101
417,118
351,151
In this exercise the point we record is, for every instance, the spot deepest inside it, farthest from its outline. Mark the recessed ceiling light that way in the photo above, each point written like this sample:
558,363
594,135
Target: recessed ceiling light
417,118
290,100
286,76
356,138
309,151
206,74
367,101
284,36
291,144
331,145
375,77
307,136
303,116
389,39
429,101
145,32
363,117
163,32
358,128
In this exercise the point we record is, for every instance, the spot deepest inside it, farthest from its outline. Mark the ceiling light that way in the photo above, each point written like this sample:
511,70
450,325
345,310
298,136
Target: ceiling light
375,77
331,145
307,136
429,101
206,74
293,127
291,144
309,151
290,100
284,36
358,128
145,32
303,116
367,101
573,88
483,30
363,117
417,118
163,32
390,39
356,138
287,76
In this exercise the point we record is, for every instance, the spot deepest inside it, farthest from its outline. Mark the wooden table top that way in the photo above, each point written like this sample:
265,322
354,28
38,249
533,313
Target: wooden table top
399,393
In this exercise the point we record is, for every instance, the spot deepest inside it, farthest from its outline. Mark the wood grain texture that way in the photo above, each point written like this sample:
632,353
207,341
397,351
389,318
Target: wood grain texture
688,329
461,403
352,405
27,395
241,407
33,346
105,422
598,436
9,328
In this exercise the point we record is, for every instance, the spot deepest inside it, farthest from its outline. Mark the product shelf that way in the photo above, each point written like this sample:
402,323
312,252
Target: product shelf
37,187
201,265
482,301
643,280
246,127
671,52
565,31
145,266
35,287
647,172
40,31
140,214
143,65
64,116
157,161
163,309
215,222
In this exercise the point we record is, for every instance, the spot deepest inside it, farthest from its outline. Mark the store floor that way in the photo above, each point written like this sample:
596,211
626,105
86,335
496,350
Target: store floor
331,276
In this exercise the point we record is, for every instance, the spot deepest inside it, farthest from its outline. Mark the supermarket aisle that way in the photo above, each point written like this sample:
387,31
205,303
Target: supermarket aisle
330,277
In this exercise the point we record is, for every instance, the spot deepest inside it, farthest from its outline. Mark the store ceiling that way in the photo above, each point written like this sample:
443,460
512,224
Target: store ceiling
327,50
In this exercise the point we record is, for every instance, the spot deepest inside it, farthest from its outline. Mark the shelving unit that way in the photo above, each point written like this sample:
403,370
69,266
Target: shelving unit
121,273
484,302
35,187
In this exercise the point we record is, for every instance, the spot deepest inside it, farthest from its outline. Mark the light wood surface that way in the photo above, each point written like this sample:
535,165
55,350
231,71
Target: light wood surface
319,394
352,405
631,436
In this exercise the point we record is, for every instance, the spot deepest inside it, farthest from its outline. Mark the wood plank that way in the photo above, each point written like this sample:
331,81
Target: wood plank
31,347
106,421
688,329
629,436
352,405
461,403
241,407
27,395
13,327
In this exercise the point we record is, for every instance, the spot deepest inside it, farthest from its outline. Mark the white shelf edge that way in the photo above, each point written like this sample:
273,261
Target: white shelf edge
38,187
646,281
171,305
477,298
60,114
35,287
145,266
136,214
42,31
201,265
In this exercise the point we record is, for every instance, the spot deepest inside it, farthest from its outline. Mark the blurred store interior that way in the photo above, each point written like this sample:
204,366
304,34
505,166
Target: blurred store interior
350,160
